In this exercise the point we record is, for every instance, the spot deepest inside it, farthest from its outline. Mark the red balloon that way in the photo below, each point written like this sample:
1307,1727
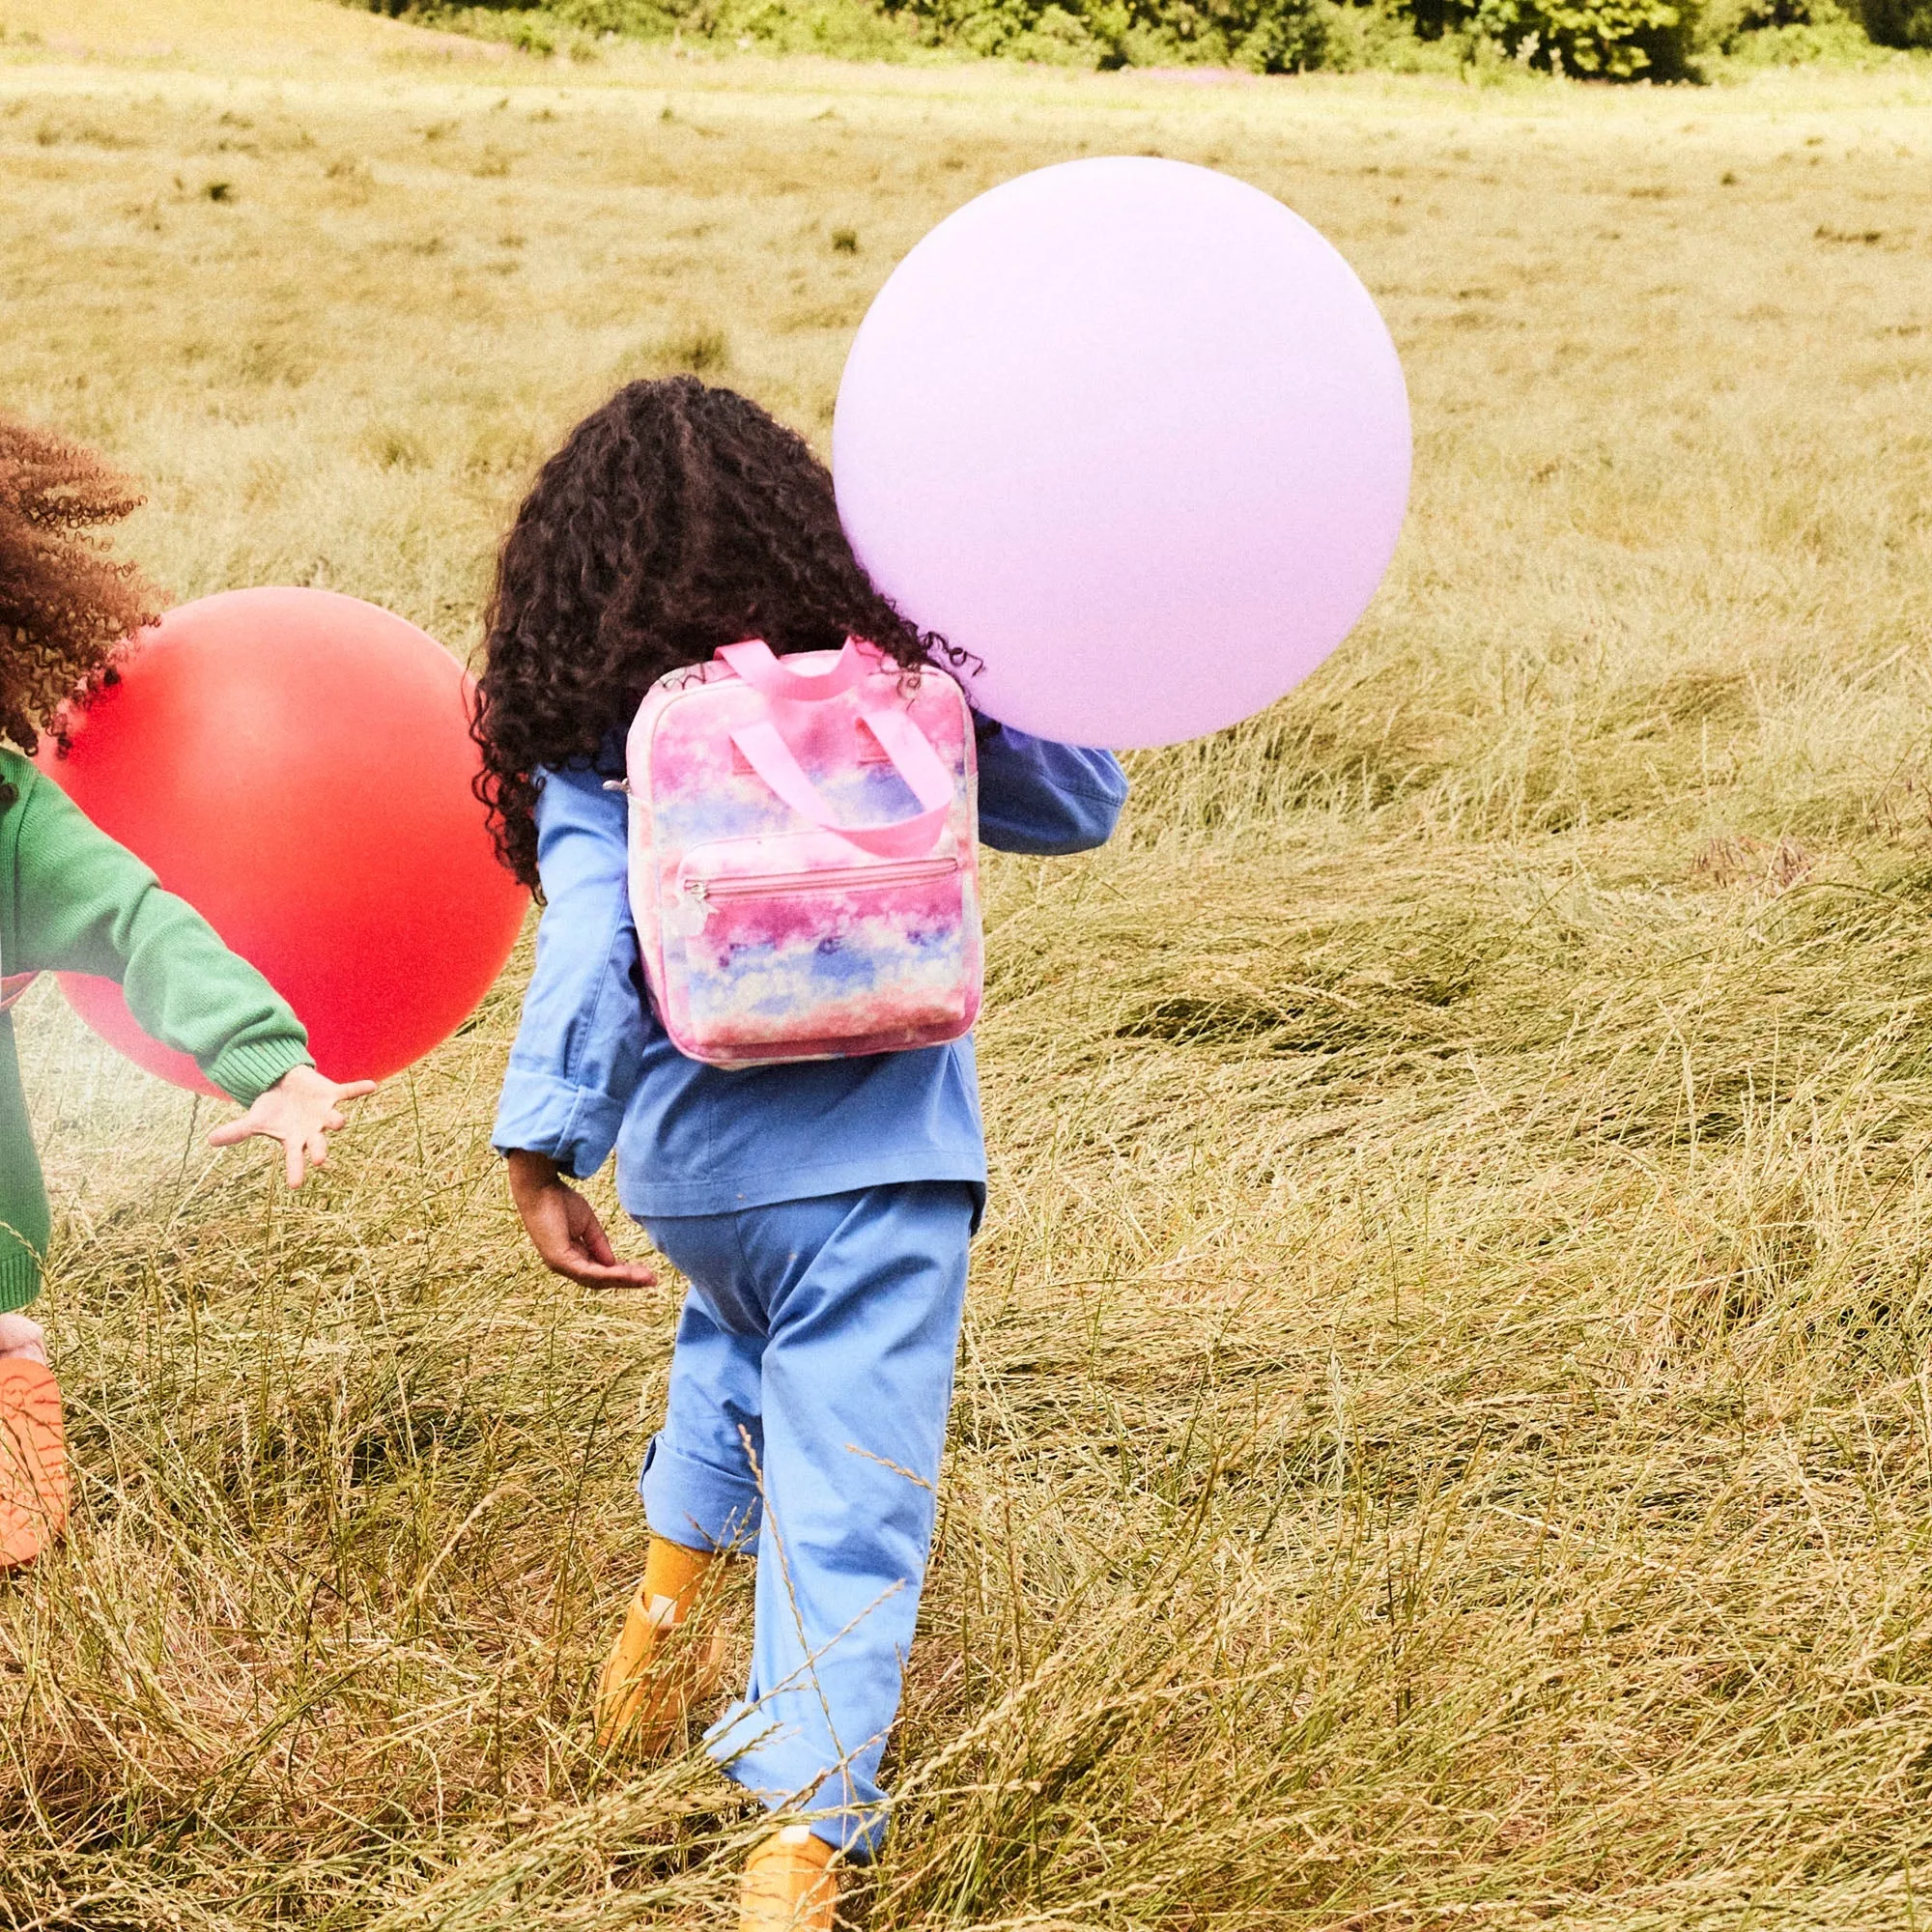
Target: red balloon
297,766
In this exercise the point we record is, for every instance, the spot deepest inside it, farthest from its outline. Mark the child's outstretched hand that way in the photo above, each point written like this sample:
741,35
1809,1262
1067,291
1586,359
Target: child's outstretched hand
564,1229
300,1110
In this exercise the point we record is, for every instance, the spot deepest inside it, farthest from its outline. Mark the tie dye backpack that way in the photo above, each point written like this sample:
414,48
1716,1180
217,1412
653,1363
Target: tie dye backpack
803,855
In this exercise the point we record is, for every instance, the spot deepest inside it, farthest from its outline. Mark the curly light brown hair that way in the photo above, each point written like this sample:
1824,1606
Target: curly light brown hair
66,605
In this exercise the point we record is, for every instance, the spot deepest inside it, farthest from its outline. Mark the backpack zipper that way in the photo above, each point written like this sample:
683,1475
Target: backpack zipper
780,885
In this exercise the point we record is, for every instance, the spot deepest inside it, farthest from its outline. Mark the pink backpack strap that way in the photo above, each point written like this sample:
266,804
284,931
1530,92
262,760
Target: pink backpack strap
912,758
755,662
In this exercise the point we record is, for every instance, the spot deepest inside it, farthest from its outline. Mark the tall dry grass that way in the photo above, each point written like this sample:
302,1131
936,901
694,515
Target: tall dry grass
1444,1432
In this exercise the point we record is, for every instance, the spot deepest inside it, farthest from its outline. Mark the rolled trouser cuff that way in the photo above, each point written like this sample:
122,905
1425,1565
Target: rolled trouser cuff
758,1750
697,1503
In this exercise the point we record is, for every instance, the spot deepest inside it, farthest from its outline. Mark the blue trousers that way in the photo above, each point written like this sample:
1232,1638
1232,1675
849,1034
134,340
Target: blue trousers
809,1395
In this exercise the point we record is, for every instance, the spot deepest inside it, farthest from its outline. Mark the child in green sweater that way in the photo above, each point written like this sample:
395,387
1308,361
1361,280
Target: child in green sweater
72,900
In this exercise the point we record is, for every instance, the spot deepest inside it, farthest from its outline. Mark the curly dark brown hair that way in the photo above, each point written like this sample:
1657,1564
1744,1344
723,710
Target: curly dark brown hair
676,519
65,607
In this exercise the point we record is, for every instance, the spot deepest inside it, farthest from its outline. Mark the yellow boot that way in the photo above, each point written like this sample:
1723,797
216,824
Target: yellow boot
789,1886
643,1695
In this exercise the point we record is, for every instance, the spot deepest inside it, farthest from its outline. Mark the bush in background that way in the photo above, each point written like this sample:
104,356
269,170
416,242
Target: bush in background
1263,36
851,29
1606,39
1899,24
1609,39
1595,40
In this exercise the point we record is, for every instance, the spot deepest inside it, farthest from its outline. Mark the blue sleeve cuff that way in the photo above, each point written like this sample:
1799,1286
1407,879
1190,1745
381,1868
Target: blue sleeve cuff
1046,799
576,1126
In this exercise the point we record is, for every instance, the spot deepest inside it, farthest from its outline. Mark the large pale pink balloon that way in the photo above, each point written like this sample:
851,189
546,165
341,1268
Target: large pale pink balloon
1134,434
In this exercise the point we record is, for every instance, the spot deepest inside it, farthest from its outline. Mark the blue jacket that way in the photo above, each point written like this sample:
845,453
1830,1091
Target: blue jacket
592,1070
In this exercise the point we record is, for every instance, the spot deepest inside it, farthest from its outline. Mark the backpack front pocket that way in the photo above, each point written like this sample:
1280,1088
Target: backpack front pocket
802,945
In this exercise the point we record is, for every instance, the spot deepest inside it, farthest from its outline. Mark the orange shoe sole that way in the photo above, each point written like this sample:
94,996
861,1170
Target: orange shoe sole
32,1462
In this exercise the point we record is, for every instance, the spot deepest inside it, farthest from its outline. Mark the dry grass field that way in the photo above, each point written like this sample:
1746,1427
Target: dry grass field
1444,1435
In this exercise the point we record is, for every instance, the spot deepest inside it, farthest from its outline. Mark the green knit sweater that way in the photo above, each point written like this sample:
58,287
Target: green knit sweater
73,900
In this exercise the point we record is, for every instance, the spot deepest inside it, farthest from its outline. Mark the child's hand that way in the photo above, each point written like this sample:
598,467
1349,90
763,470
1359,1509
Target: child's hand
564,1229
22,1340
300,1110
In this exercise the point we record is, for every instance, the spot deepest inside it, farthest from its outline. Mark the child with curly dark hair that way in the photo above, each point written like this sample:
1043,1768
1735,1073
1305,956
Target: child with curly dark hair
72,900
820,1210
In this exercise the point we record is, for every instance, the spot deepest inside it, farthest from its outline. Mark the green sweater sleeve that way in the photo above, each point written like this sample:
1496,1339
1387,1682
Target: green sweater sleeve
83,903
